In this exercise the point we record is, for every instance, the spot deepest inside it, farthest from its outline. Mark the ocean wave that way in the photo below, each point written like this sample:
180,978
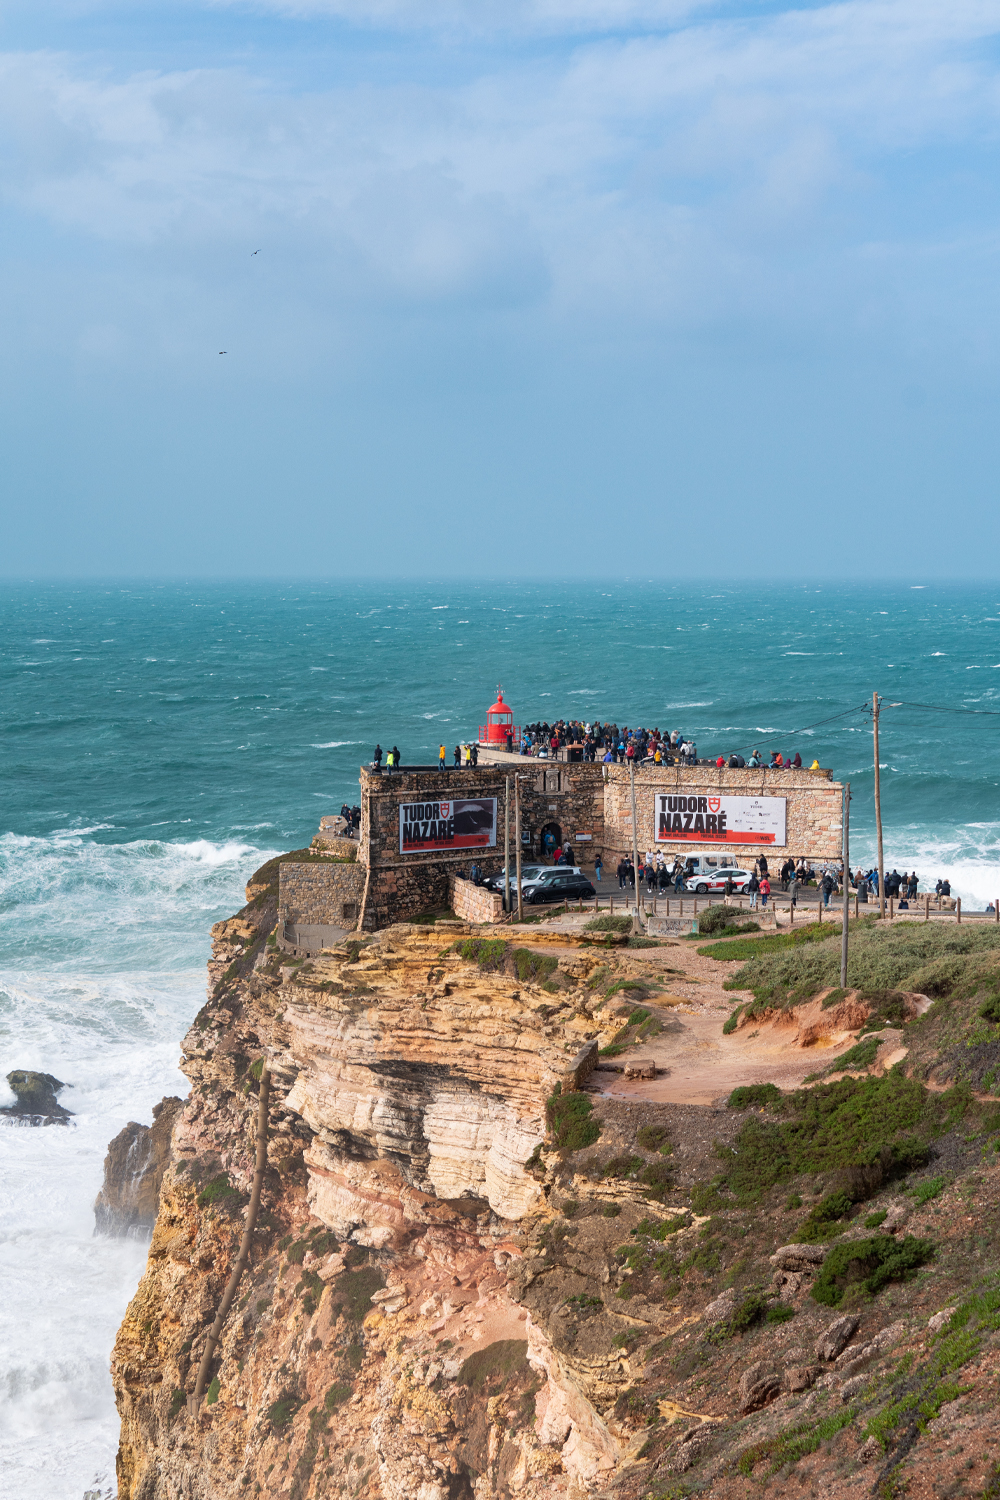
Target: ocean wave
333,745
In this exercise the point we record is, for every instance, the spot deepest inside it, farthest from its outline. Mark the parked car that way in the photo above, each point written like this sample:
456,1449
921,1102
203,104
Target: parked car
716,881
566,885
528,872
547,872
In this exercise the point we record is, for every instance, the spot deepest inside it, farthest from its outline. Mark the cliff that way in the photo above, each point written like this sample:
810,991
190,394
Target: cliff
475,1274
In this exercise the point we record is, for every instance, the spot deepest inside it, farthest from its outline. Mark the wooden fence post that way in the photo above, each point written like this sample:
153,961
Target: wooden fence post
958,908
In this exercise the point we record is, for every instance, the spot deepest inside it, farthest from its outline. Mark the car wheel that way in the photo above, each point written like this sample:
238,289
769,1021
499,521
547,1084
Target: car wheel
745,890
702,889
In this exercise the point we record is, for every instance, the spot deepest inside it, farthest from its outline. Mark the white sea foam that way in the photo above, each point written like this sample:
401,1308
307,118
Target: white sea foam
334,744
103,973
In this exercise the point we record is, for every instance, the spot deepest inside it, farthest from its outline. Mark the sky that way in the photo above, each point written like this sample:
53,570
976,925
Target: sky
550,287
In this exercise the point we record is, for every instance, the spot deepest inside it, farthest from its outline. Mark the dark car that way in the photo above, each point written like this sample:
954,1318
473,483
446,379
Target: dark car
561,887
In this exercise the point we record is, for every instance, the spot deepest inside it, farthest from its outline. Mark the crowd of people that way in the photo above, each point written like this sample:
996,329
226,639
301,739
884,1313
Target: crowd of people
613,745
352,820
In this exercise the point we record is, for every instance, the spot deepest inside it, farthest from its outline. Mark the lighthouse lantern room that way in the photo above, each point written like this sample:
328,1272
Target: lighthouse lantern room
500,730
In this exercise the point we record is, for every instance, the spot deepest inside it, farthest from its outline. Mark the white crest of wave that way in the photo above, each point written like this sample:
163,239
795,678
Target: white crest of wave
334,744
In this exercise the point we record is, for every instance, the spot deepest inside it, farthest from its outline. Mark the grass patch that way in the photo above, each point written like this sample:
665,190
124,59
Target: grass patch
357,1289
749,948
933,960
215,1191
336,1396
870,1264
794,1443
212,1394
489,954
497,1361
178,1401
608,924
533,966
570,1120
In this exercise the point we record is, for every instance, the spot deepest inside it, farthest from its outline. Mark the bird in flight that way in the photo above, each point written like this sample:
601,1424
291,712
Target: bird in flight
223,351
253,253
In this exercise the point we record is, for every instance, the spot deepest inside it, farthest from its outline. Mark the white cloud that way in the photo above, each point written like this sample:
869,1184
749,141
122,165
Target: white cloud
703,173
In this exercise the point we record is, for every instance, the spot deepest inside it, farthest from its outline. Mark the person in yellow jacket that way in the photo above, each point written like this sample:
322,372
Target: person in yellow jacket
441,756
815,766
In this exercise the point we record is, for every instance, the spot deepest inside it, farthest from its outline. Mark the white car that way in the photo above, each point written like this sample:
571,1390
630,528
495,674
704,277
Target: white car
716,881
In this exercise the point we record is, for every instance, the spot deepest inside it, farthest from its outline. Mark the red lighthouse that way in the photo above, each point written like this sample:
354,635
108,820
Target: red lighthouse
499,725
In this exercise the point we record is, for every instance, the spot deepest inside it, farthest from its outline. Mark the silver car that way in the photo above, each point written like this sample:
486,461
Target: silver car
716,881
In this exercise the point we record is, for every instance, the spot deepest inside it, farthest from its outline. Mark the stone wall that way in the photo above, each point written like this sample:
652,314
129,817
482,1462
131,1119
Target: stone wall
473,903
323,893
812,812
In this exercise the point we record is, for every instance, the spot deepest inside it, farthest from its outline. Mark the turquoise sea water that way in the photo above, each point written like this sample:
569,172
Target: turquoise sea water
160,740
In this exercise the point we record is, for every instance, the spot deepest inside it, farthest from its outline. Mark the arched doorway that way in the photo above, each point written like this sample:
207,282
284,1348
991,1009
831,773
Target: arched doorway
551,839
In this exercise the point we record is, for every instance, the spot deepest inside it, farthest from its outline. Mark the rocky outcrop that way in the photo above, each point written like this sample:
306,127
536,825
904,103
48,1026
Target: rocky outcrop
36,1102
133,1171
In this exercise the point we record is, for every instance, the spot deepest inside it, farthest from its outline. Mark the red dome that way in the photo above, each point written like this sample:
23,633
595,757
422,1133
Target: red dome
500,707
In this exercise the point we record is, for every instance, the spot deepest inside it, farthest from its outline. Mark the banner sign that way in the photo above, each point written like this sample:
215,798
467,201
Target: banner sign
719,820
462,824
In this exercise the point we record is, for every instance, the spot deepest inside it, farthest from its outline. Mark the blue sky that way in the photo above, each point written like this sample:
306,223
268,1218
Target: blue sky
547,287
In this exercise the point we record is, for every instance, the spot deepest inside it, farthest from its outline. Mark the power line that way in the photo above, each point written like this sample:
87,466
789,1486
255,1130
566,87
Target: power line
936,708
789,733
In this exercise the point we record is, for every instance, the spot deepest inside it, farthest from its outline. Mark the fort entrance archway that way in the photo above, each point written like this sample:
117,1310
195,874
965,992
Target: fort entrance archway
551,839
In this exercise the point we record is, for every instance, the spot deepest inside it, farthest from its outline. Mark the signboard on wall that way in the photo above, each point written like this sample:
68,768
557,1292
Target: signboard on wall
700,819
465,823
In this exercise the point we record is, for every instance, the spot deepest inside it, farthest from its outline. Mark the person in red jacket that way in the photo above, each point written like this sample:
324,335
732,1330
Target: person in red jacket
765,890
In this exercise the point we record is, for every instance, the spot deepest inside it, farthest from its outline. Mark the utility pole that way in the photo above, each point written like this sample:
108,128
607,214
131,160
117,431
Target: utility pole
506,846
635,842
847,883
517,841
876,705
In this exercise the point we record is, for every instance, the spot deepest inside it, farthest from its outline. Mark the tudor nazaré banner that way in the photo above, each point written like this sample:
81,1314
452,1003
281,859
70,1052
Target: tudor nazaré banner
719,820
466,823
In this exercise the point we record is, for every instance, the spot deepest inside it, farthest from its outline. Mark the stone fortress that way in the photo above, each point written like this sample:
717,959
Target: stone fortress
370,883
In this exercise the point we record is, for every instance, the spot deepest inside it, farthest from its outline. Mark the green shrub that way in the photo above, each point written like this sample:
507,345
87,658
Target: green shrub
779,1312
872,1221
990,1009
568,1117
869,1263
622,1166
283,1410
178,1401
654,1138
925,1191
336,1396
533,966
717,918
256,1069
611,1210
488,953
732,1021
637,1017
212,1394
861,1055
658,1180
793,1201
753,1309
754,1094
213,1192
297,1252
823,1219
357,1289
497,1362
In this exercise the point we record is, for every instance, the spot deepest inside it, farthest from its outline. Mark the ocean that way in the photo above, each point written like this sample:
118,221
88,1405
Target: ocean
160,740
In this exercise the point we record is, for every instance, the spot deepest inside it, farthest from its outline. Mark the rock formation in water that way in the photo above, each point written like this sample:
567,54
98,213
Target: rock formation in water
474,1277
36,1098
133,1171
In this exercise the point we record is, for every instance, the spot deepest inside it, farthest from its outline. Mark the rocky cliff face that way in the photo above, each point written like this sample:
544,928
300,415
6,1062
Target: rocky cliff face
133,1173
476,1277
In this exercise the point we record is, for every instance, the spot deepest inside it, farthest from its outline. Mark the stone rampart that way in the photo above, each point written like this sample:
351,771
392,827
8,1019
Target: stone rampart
324,892
473,903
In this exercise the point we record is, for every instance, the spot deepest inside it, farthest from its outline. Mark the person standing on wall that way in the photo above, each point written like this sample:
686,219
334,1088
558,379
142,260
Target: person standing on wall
377,758
458,756
442,753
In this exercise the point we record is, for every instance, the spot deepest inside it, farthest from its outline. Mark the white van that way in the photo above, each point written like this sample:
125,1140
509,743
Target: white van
711,864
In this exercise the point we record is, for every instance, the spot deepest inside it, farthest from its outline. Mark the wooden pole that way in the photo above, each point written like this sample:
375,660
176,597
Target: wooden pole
927,906
635,838
958,908
245,1244
506,846
517,845
876,704
846,798
996,908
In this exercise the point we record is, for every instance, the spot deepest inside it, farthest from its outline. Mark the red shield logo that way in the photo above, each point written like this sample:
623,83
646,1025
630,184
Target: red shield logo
714,803
445,809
